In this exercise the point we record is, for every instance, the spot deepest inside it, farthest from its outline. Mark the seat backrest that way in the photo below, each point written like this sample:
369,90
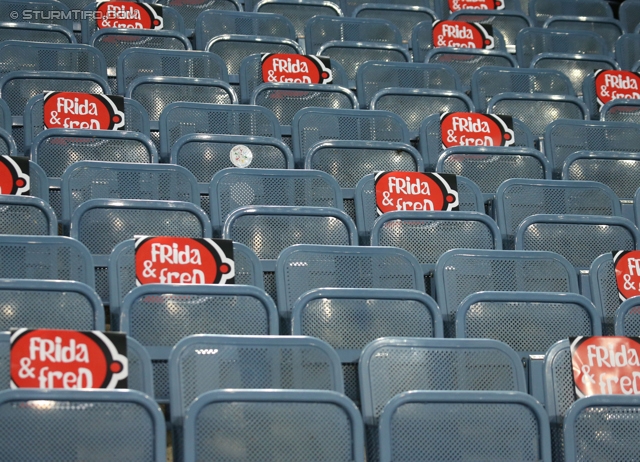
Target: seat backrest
35,56
393,365
377,75
334,433
518,199
512,317
608,28
628,45
509,22
140,62
128,425
122,272
537,111
348,6
37,11
490,81
49,33
580,238
233,188
41,304
304,267
485,425
322,29
621,110
488,167
541,10
629,14
7,143
462,272
298,13
191,10
312,125
87,180
564,137
404,17
604,289
213,23
201,363
182,118
626,318
532,41
27,215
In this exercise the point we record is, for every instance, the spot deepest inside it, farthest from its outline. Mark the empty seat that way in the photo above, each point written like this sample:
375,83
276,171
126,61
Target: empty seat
348,6
533,41
626,318
621,110
182,118
312,125
126,425
490,81
374,76
305,267
7,144
480,425
628,48
629,14
518,199
541,10
607,28
233,188
101,224
37,11
508,22
122,272
49,33
462,272
27,215
141,62
348,319
191,10
274,425
604,289
298,13
564,137
469,199
159,316
323,29
86,180
404,17
40,304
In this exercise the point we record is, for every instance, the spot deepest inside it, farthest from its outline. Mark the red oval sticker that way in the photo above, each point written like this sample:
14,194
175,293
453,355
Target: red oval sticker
627,269
13,179
457,5
460,34
182,260
294,68
415,191
612,85
83,110
127,15
473,129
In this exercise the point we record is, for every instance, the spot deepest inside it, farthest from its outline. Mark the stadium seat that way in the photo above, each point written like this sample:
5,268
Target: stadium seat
626,318
629,14
349,6
298,13
190,10
541,10
604,290
404,17
621,110
38,12
27,215
608,28
628,46
48,33
72,424
508,22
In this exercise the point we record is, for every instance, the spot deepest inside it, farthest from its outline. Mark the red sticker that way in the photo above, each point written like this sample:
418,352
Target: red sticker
64,109
616,85
128,15
14,176
457,5
49,358
605,365
294,68
183,260
415,191
627,268
460,34
474,129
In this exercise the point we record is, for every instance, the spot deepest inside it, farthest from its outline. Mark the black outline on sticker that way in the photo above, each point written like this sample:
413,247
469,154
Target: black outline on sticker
16,174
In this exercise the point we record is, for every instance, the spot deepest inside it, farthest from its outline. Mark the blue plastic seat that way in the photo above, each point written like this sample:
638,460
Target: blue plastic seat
49,33
298,13
160,315
627,48
233,188
629,14
191,10
490,81
529,322
27,215
604,289
608,28
127,425
349,6
517,199
469,199
541,10
533,41
621,110
5,116
220,119
41,304
101,224
7,144
348,319
404,17
274,425
481,425
50,12
141,62
564,137
626,318
508,22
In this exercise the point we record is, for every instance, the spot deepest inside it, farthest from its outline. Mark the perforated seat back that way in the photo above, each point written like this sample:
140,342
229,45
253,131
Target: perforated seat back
159,316
348,319
190,10
348,6
404,17
629,14
607,28
233,188
127,425
564,137
322,29
179,119
532,41
627,321
37,11
7,144
580,238
375,76
604,290
621,110
541,10
518,199
49,33
508,22
469,199
490,81
39,304
628,46
298,13
486,425
27,215
272,362
275,425
304,267
393,365
141,62
122,274
5,116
